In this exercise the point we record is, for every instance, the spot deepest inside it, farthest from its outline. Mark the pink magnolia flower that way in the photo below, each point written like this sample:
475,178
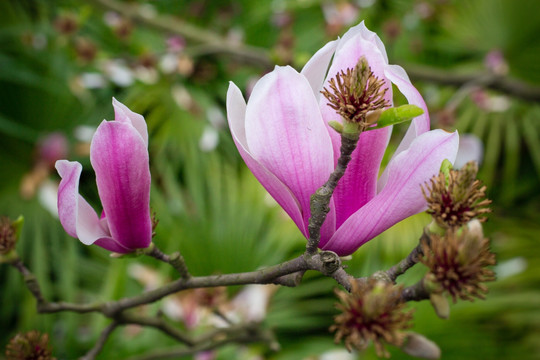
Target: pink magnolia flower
119,156
283,136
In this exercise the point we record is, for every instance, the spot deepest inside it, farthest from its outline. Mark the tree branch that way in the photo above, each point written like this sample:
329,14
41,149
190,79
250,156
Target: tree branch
503,84
156,323
98,346
241,334
173,25
416,292
176,260
412,259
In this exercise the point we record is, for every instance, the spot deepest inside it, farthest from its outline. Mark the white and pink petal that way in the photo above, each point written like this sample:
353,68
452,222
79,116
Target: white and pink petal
120,160
285,133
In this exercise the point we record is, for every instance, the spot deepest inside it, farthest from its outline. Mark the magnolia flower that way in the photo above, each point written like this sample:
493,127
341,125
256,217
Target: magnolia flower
283,136
119,156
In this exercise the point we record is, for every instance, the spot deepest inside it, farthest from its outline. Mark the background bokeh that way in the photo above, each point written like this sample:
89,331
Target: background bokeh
62,61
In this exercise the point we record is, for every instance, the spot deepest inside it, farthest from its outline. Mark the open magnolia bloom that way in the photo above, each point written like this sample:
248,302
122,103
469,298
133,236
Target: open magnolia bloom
119,156
283,136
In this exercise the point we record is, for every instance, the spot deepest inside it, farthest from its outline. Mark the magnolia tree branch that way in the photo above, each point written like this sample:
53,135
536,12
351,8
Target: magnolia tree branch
489,80
98,346
176,260
326,262
290,272
240,334
173,25
412,259
156,323
416,292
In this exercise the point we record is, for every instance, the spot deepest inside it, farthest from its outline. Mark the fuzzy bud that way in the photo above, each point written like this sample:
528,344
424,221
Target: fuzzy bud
30,345
457,198
9,234
458,262
372,311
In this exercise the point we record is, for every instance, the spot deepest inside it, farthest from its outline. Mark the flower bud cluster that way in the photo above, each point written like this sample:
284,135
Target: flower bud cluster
458,262
30,345
456,199
458,257
372,311
8,235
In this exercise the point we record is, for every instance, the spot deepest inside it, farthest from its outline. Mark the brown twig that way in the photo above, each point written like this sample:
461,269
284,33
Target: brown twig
240,334
416,292
503,84
156,323
176,260
173,25
98,346
412,259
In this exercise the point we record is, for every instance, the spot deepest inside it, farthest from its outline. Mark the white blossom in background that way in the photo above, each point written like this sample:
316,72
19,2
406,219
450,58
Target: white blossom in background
338,354
511,267
47,194
92,80
209,139
182,97
118,73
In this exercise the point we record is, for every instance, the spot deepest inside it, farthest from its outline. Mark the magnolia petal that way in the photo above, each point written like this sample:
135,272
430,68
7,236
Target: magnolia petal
120,159
110,244
124,115
402,195
419,125
236,114
286,134
316,68
75,214
359,184
367,35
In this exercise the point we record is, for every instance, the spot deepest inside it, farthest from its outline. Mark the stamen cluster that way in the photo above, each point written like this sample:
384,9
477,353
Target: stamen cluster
455,200
29,346
356,92
458,263
373,310
8,236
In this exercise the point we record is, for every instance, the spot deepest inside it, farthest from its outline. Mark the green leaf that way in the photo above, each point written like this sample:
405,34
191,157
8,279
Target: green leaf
398,115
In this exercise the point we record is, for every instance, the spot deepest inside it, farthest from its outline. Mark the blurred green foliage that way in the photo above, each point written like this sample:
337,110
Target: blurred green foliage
57,78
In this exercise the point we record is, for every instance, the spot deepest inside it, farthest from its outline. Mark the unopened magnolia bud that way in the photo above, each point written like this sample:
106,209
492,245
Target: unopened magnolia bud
419,346
440,305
